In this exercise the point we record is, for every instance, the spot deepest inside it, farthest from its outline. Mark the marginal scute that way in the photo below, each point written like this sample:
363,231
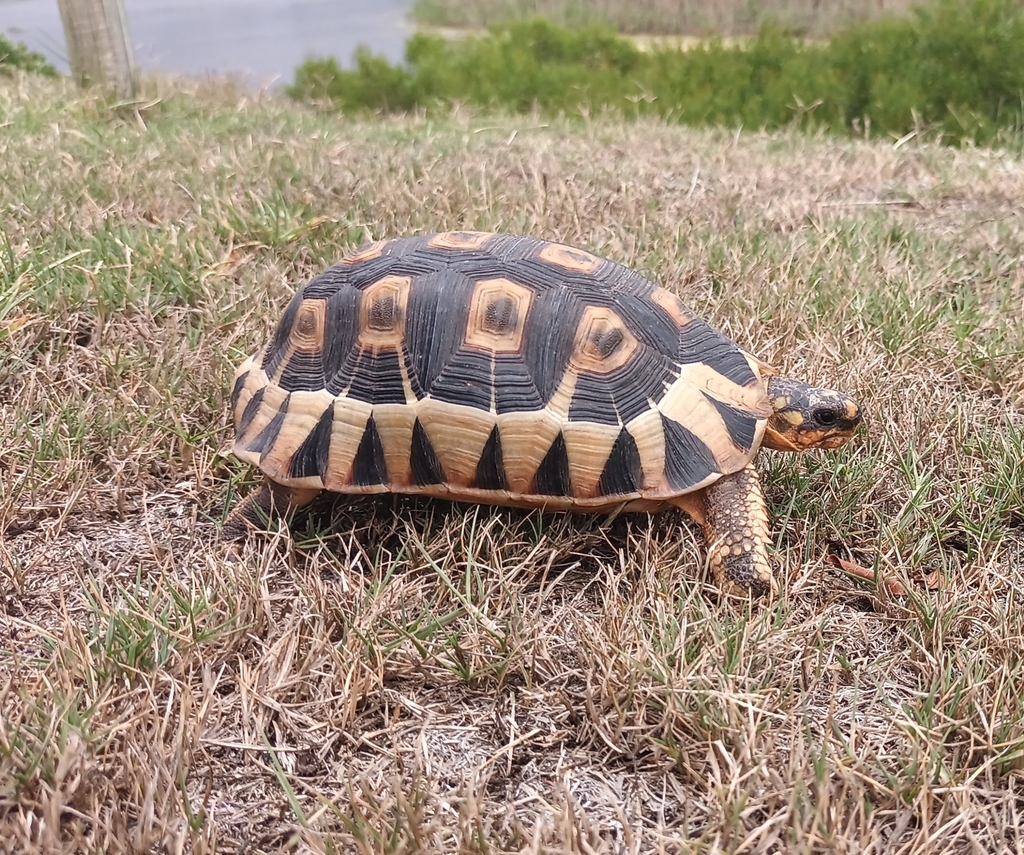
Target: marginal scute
672,305
350,418
689,463
647,432
311,458
490,469
369,468
261,409
623,472
249,379
263,442
588,447
250,408
395,424
530,434
752,398
690,401
553,476
302,413
424,465
742,427
236,388
458,435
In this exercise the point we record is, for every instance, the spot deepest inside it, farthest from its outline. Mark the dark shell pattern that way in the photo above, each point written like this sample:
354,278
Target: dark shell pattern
500,369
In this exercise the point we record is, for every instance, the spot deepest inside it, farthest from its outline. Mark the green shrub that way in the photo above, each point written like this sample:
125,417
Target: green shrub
18,56
954,67
374,84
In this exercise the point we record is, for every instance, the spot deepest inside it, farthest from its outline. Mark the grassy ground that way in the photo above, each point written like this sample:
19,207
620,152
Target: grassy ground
665,17
432,678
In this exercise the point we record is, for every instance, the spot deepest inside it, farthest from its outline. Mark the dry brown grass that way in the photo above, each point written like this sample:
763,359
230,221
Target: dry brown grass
407,676
701,18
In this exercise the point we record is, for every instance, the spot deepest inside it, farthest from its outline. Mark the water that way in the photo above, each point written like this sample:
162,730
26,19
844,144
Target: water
261,40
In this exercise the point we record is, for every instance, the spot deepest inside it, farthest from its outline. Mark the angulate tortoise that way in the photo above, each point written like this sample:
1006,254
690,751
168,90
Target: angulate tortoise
512,371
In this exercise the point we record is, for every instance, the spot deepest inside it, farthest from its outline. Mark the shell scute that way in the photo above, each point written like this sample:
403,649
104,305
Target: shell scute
490,469
699,342
424,464
514,388
622,472
369,466
311,457
436,319
373,377
570,258
553,476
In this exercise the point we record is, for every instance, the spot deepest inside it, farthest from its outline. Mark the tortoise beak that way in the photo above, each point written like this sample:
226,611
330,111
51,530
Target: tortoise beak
845,426
853,417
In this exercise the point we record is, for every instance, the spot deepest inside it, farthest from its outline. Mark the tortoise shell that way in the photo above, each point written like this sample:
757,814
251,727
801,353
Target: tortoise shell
496,368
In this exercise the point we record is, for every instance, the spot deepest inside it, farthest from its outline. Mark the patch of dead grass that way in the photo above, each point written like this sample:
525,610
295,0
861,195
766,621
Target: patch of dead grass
400,676
671,17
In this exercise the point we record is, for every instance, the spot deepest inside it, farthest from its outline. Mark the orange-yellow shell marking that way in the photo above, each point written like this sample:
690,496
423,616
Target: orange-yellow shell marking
495,310
382,313
366,252
603,342
570,258
459,241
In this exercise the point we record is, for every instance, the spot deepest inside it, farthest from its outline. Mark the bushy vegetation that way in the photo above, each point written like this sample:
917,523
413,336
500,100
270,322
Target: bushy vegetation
15,55
689,17
952,68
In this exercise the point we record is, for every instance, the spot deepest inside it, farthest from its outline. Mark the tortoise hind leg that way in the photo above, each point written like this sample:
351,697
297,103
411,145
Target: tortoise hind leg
269,501
734,517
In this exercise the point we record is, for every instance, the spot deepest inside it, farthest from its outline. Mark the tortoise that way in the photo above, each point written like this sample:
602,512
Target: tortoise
514,371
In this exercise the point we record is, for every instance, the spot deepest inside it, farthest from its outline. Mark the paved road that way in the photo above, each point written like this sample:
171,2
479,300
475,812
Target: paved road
264,40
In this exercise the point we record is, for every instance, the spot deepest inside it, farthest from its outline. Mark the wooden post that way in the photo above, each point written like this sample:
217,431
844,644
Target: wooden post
99,48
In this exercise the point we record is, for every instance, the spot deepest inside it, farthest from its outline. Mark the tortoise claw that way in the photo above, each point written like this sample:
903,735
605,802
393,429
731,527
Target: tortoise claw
269,501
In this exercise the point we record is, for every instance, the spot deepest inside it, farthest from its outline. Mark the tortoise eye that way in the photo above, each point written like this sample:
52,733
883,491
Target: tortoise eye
825,417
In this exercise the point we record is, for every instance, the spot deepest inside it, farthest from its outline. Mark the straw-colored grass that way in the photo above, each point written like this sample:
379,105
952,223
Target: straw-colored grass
665,17
409,676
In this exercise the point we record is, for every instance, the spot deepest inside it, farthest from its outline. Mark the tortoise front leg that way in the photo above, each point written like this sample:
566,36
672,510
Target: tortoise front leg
269,501
734,517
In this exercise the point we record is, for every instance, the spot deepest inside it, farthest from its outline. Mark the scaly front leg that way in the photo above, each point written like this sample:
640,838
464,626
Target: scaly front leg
734,517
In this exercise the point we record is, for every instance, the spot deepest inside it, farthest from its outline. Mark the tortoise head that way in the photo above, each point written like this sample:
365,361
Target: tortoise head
804,416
